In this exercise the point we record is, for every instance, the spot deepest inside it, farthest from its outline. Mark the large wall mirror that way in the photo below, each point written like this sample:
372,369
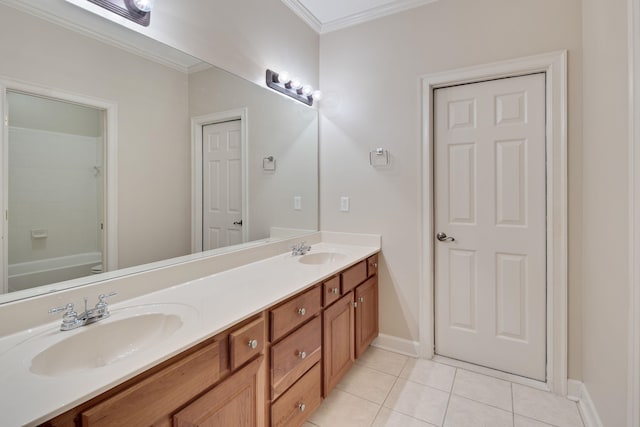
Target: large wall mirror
113,160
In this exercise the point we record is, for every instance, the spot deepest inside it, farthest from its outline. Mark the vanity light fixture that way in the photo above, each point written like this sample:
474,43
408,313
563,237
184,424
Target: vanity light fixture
293,87
138,11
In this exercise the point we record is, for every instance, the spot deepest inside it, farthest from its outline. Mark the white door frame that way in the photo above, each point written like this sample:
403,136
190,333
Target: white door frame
197,123
110,243
554,64
633,407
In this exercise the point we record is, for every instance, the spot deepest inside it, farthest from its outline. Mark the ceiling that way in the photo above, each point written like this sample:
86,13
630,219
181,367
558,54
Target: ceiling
330,15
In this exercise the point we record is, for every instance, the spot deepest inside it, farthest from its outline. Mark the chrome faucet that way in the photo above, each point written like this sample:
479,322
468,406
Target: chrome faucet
300,249
72,320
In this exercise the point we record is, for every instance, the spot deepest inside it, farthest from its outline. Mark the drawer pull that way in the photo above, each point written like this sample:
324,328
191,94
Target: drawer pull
302,406
253,344
302,311
334,291
302,354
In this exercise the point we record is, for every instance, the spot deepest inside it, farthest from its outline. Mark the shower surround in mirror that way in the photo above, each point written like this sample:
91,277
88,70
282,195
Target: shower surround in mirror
155,103
55,180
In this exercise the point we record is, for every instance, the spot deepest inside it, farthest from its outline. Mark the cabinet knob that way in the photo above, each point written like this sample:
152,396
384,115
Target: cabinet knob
335,290
354,304
302,311
253,344
374,265
361,299
302,354
302,406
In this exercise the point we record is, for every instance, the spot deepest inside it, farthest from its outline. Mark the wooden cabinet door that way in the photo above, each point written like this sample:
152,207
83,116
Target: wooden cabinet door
238,401
160,394
366,314
338,348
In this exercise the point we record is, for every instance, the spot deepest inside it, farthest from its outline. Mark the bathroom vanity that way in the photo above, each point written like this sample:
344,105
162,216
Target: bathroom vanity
261,344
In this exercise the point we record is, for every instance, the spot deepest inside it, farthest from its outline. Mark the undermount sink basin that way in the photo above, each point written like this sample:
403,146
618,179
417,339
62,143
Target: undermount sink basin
319,258
102,344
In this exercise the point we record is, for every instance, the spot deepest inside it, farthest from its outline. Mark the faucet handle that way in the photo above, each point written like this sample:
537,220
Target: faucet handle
66,307
69,319
102,297
102,309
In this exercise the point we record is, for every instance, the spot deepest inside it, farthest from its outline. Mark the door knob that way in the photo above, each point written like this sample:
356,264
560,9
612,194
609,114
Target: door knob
237,223
444,238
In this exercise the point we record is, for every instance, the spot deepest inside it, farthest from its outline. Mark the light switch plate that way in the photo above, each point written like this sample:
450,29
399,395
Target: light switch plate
344,204
297,203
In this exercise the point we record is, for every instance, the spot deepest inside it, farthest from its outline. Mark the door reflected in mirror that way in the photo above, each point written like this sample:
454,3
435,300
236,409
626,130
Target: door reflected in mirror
222,198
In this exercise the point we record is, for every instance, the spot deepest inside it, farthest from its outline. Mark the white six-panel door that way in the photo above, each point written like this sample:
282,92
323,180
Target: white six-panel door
222,185
490,195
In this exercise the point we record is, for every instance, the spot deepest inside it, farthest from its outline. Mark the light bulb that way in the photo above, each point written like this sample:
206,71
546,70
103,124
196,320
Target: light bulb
307,90
317,95
296,84
284,77
143,5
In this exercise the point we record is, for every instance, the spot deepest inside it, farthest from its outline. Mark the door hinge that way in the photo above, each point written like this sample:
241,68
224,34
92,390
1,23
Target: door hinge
6,120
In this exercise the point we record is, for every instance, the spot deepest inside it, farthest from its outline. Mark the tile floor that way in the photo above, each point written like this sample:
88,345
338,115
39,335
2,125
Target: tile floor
391,390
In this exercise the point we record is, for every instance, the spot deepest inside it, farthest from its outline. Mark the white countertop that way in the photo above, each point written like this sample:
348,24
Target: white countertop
209,305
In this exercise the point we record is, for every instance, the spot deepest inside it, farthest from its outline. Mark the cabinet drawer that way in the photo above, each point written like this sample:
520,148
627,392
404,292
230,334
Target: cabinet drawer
246,342
159,394
299,401
331,290
295,312
294,355
353,276
372,265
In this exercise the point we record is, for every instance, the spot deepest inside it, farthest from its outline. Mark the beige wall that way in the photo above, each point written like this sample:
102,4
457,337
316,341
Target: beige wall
371,75
605,208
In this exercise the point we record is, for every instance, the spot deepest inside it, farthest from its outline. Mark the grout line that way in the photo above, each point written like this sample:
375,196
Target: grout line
359,397
359,363
376,416
485,403
537,421
444,418
389,392
362,365
513,405
409,380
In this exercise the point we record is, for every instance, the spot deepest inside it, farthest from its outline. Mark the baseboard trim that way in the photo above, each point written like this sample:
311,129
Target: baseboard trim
578,392
398,345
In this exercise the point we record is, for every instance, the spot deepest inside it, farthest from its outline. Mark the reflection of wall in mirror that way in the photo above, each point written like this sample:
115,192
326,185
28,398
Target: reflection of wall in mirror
153,127
278,127
54,190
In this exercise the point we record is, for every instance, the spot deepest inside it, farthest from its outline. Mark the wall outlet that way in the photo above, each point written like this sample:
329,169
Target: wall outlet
344,204
297,203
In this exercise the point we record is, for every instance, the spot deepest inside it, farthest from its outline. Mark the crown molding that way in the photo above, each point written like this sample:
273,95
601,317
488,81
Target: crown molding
354,19
304,14
103,30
